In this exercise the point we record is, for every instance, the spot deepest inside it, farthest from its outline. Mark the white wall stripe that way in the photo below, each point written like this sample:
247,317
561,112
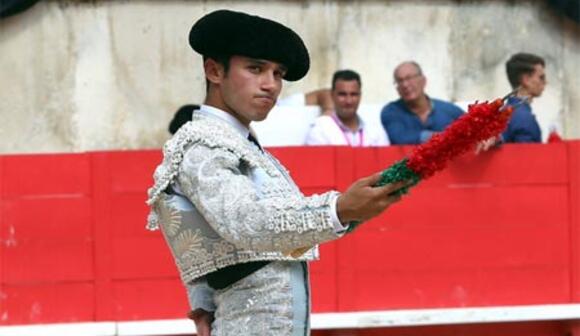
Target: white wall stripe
62,329
425,317
354,320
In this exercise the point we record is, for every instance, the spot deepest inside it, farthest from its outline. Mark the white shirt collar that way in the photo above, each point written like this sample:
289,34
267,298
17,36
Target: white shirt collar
344,127
228,118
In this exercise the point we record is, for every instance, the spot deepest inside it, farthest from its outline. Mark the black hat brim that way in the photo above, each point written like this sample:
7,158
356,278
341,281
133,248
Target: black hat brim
229,33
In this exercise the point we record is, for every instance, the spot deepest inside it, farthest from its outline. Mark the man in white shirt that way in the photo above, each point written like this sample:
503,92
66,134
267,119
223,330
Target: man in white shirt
344,127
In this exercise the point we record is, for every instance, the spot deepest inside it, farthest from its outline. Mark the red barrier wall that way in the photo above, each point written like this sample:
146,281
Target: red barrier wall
501,228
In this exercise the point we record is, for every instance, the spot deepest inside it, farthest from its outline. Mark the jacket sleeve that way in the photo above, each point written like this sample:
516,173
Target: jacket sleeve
200,295
252,213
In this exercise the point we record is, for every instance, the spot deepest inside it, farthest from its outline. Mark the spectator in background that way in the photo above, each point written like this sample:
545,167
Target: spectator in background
415,117
182,116
526,75
344,126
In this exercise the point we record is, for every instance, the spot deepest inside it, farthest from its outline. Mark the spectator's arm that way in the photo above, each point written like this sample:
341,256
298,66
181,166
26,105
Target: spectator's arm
322,98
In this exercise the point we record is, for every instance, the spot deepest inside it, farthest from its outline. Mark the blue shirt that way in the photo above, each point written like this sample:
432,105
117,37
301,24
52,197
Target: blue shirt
404,127
523,126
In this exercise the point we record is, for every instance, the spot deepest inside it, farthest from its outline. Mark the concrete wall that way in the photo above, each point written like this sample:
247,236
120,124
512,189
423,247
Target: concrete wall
90,75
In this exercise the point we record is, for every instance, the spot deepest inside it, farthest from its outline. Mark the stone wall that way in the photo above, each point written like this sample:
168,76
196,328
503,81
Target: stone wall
92,75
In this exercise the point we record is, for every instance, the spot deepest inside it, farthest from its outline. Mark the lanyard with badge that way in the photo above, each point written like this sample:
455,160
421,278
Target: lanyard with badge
346,136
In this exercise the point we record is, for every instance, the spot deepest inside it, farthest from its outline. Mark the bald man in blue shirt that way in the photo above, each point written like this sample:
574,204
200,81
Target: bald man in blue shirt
415,117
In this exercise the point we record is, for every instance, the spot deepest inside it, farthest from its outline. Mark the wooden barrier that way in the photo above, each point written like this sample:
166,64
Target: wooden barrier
498,229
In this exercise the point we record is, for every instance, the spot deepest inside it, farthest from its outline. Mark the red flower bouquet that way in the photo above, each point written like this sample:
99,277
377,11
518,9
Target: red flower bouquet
482,121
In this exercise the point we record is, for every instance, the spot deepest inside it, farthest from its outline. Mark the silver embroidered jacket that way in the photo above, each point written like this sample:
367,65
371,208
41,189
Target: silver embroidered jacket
235,203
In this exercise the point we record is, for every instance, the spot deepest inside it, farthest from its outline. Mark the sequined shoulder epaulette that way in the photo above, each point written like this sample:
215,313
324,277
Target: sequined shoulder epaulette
206,131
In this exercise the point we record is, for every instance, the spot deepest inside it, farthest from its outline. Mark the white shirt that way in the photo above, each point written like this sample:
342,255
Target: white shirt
329,130
228,118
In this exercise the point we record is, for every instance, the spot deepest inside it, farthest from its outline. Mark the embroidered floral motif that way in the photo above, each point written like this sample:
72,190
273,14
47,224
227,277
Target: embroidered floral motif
172,221
187,242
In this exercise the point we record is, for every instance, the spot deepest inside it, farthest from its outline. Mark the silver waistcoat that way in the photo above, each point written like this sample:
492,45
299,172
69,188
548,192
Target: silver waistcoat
235,203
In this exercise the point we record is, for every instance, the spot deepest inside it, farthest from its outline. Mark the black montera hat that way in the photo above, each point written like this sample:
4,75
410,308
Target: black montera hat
228,33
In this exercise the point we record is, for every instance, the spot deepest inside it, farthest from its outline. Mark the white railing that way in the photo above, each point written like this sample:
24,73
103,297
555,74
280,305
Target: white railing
322,321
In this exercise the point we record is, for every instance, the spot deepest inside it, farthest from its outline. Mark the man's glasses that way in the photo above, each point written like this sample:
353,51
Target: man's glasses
401,81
